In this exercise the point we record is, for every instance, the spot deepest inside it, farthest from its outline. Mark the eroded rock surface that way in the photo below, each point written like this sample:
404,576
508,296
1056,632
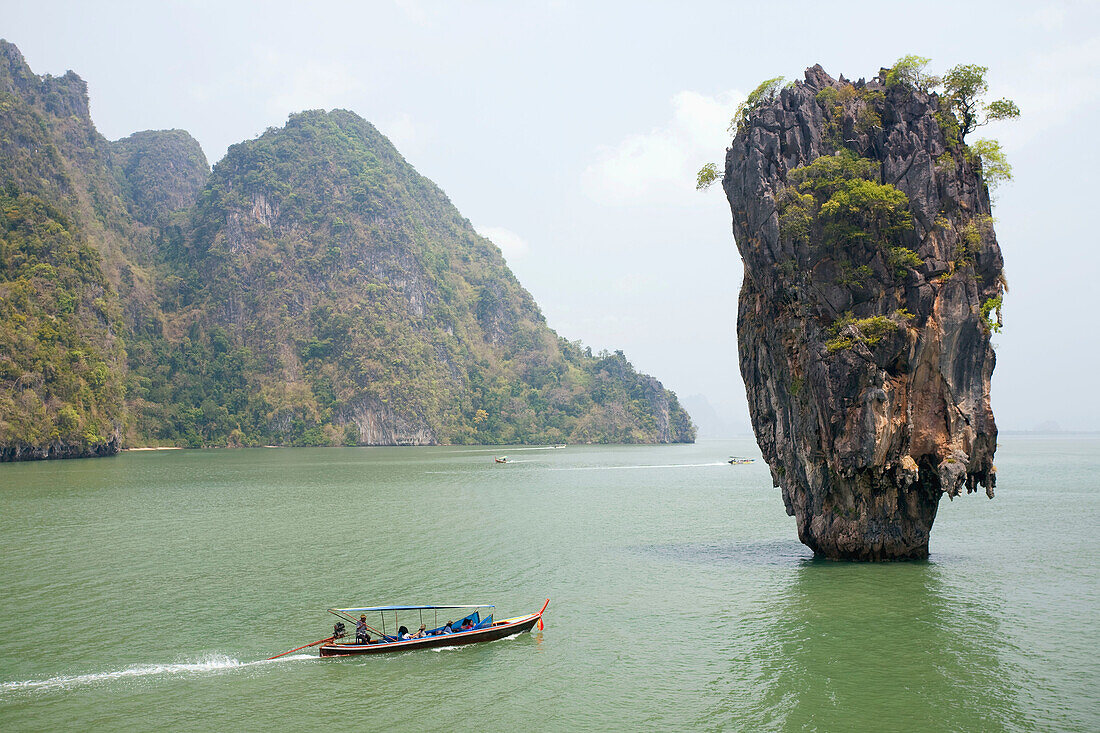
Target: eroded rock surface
865,341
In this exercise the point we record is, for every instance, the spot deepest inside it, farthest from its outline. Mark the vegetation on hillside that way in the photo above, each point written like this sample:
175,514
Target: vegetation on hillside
161,171
60,360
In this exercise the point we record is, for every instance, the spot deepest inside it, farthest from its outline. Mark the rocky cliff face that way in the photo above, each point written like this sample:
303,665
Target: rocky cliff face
872,280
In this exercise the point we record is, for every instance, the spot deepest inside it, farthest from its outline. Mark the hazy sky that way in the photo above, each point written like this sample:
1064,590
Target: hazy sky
569,132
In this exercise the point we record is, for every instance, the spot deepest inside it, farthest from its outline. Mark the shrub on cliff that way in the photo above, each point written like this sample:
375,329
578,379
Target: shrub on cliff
840,198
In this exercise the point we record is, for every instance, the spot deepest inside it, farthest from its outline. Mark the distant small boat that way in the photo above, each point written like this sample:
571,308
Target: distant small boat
735,461
502,459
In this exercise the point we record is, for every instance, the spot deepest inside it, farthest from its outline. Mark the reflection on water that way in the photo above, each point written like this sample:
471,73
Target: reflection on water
847,646
783,552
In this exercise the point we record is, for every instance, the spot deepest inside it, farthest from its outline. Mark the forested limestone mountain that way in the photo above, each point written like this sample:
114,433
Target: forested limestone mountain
312,290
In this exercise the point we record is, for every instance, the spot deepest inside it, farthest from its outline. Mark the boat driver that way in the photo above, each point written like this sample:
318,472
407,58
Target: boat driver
361,635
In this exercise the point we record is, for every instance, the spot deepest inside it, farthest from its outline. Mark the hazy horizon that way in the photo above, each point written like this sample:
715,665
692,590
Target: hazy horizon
569,135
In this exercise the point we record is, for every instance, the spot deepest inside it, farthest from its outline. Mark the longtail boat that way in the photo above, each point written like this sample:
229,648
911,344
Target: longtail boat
391,639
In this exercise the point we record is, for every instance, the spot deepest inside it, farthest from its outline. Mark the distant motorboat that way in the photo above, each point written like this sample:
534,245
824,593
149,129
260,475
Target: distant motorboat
735,461
502,459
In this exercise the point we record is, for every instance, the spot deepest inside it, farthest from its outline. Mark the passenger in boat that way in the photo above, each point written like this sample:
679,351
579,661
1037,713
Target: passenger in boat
361,635
421,633
403,633
447,629
467,624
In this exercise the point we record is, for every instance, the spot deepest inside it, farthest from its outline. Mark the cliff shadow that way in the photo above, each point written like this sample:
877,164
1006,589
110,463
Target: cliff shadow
777,552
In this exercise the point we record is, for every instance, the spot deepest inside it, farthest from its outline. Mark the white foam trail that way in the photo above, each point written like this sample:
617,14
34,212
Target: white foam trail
463,646
505,449
212,663
615,468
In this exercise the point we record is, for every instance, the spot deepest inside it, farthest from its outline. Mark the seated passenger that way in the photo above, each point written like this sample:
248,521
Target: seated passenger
421,633
447,629
403,633
467,624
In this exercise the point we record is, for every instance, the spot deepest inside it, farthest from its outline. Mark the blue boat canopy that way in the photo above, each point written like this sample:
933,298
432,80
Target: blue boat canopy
404,608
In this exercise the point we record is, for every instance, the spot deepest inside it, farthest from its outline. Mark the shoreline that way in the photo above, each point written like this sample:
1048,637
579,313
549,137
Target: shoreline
159,447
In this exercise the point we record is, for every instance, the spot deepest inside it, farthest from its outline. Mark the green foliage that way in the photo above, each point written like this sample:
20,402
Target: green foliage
847,331
847,99
851,205
831,173
828,97
838,343
833,116
788,267
909,71
852,276
707,175
995,166
990,306
902,259
970,240
864,209
796,214
964,88
949,125
1002,109
60,365
766,93
839,197
867,119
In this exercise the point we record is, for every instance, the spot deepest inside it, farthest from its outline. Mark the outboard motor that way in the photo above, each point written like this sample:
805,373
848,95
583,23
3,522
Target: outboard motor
338,630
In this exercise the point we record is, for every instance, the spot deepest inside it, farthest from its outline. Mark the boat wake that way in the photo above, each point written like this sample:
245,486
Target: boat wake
471,646
212,663
512,449
616,468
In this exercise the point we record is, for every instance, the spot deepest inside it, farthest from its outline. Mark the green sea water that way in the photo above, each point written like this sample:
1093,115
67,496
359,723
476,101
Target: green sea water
143,592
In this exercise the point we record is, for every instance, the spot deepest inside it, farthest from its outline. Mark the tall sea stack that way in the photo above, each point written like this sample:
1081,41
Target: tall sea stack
872,283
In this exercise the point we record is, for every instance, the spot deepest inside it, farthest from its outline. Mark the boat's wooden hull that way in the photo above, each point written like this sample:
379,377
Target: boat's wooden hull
499,630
